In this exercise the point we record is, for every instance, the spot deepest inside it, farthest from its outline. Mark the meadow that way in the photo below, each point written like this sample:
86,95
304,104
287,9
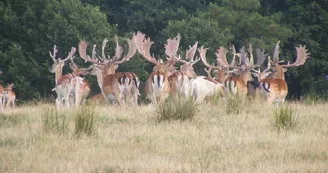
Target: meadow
220,137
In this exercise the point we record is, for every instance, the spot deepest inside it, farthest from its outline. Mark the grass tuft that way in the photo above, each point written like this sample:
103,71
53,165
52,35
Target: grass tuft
177,108
53,121
84,121
234,105
285,118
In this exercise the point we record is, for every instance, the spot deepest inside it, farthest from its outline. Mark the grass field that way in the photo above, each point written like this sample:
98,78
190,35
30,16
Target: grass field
36,138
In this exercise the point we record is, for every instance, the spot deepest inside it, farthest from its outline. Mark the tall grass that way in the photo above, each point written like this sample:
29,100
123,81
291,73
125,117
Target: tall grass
53,121
234,104
84,121
285,118
177,108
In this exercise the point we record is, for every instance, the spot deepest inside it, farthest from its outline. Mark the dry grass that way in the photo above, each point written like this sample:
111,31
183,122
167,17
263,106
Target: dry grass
131,140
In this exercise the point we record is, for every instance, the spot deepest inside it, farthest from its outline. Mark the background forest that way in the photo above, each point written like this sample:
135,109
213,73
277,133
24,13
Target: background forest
30,28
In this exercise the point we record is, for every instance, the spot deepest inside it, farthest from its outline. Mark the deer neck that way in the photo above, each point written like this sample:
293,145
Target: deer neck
244,75
100,78
221,75
59,72
278,73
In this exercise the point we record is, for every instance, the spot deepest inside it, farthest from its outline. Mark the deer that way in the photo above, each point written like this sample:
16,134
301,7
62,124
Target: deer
221,73
116,87
253,85
237,84
9,96
64,84
157,87
274,87
82,88
179,80
203,87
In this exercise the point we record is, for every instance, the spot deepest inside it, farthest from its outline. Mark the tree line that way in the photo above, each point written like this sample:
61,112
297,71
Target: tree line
30,29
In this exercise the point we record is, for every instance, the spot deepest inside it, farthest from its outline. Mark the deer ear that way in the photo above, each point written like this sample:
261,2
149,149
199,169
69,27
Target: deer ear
116,66
284,69
71,66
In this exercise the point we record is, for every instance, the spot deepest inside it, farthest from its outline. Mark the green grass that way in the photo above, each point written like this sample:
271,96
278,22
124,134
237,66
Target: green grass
54,121
84,121
234,104
176,108
285,118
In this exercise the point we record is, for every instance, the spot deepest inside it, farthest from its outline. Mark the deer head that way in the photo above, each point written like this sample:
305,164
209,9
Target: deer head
278,70
110,64
143,45
58,63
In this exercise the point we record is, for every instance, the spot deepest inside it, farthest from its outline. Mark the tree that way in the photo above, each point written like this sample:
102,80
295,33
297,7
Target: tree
31,28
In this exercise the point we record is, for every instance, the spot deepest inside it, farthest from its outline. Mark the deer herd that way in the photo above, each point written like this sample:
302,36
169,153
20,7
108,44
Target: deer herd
240,77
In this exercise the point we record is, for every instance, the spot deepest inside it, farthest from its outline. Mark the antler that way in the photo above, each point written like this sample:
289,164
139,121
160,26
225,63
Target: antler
129,55
234,54
260,57
53,55
83,53
118,50
172,47
208,71
221,57
70,54
251,58
302,55
276,53
103,56
190,54
202,52
143,46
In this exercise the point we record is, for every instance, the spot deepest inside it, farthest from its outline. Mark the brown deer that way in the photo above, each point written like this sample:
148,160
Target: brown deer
237,84
274,87
65,84
179,80
82,89
221,73
9,96
117,87
157,85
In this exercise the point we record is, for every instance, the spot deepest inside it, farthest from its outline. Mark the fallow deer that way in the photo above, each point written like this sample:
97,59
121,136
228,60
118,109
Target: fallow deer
253,85
64,85
202,87
274,87
157,87
116,86
179,80
9,96
237,84
82,88
221,73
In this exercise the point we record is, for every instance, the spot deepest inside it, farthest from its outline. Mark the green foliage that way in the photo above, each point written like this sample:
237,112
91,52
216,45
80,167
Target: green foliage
285,118
176,108
84,121
54,121
29,29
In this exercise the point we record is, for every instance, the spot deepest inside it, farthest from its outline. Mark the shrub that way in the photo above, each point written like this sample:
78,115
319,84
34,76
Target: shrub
177,108
84,123
53,121
285,118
